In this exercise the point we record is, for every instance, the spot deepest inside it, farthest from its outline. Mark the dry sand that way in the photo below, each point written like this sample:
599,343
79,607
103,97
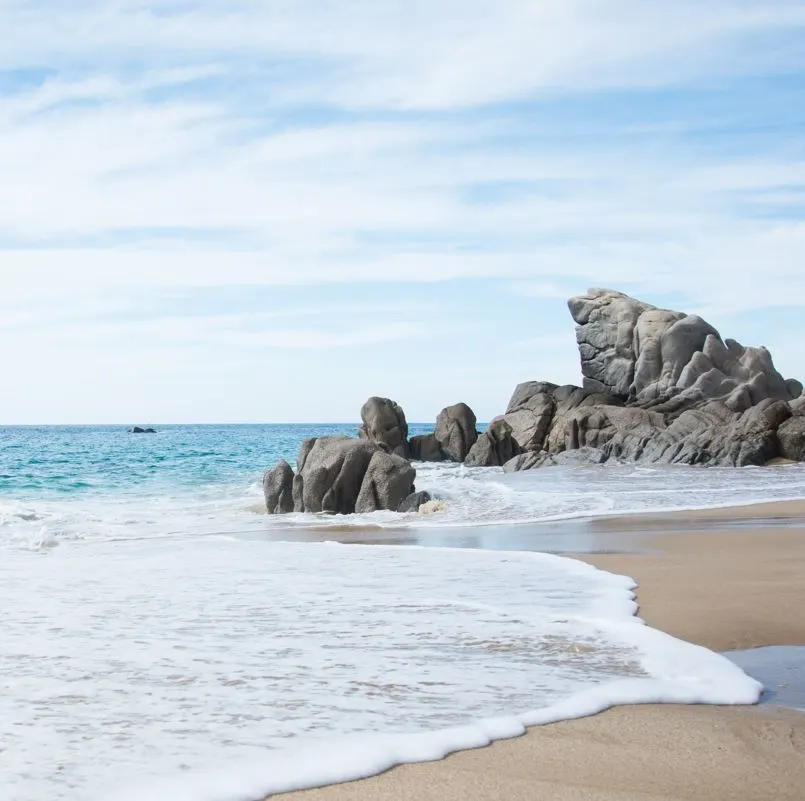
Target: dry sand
736,587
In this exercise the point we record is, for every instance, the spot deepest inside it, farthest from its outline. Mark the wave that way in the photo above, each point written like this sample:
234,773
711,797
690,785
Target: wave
467,498
222,669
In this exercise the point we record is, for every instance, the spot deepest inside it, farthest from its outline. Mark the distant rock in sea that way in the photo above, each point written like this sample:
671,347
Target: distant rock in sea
140,430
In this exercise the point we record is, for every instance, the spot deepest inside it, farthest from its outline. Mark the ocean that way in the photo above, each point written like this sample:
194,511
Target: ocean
163,640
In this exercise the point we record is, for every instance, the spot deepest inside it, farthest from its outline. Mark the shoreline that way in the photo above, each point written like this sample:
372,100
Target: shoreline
723,578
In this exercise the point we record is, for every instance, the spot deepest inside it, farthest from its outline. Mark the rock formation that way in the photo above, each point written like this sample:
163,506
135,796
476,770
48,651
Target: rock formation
278,488
659,386
384,424
426,448
141,430
495,447
339,475
456,431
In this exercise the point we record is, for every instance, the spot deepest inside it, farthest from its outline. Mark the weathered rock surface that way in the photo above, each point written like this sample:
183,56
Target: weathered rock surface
530,461
278,488
426,448
495,447
388,481
414,501
538,412
659,386
384,424
640,353
791,437
456,431
339,475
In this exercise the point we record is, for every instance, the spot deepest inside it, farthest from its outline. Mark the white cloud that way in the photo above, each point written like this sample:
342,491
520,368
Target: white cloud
206,145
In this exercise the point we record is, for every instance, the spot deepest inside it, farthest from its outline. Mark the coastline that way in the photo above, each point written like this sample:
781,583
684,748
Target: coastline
724,578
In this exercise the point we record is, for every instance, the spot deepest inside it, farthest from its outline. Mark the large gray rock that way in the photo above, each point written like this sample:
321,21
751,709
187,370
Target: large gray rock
660,386
384,424
341,476
640,353
278,488
495,447
456,431
388,481
330,474
791,437
426,448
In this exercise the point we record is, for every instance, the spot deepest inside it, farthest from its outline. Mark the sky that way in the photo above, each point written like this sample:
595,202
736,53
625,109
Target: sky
221,211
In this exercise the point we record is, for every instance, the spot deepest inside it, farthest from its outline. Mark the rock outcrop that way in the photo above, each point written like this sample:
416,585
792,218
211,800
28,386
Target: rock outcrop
388,481
640,353
426,448
456,431
141,430
495,447
659,386
278,488
791,438
384,424
339,475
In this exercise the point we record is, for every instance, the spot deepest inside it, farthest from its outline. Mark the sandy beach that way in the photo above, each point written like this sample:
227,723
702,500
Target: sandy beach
725,579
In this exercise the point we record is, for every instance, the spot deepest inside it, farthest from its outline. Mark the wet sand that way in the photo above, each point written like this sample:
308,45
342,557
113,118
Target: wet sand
726,579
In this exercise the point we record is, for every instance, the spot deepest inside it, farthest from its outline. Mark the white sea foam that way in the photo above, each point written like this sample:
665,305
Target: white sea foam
468,497
216,669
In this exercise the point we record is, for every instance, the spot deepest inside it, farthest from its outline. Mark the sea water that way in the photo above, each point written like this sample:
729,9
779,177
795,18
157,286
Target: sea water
158,642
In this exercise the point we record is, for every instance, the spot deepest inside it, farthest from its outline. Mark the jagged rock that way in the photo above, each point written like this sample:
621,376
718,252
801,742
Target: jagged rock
530,412
538,412
384,424
278,488
388,481
640,353
456,431
414,501
791,437
426,448
494,448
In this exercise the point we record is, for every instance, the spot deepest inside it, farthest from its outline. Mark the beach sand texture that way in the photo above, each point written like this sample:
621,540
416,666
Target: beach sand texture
740,587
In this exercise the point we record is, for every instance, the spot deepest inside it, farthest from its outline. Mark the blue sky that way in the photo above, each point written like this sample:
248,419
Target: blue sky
267,211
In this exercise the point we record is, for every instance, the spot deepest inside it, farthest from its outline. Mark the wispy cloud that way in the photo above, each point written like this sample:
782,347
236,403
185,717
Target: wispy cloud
389,150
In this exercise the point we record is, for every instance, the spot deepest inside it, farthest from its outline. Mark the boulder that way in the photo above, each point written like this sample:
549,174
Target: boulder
388,481
339,475
330,474
456,431
426,448
495,447
414,501
791,438
384,424
278,488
